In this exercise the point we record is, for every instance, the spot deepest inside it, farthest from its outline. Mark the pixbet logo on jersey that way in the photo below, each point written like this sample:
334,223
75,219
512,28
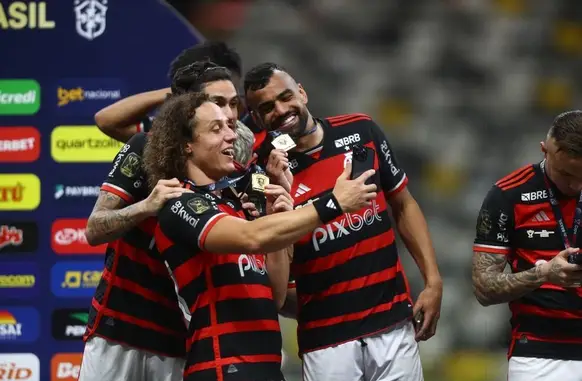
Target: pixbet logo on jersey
68,237
350,223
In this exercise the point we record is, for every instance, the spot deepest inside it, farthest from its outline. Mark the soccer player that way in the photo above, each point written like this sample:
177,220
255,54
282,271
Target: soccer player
135,324
530,219
128,116
216,255
355,310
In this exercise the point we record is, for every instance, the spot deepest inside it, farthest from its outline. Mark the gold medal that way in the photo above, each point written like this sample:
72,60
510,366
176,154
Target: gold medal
283,142
259,181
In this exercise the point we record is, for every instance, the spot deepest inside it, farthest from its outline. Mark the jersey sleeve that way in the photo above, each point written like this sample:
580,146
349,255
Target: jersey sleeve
186,220
392,177
494,224
126,178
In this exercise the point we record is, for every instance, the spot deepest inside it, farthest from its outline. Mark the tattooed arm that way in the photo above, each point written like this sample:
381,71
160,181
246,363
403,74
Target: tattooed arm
492,286
112,217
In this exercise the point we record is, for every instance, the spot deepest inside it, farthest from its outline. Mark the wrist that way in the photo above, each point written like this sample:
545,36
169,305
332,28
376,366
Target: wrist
434,281
146,208
543,272
328,208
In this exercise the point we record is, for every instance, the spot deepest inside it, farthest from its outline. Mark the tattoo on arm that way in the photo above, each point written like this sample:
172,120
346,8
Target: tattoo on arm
492,286
111,218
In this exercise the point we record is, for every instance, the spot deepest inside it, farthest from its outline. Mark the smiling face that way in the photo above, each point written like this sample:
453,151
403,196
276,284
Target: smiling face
212,147
224,95
280,106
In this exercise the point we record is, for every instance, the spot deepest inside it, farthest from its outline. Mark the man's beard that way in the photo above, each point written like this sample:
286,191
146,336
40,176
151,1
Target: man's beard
299,131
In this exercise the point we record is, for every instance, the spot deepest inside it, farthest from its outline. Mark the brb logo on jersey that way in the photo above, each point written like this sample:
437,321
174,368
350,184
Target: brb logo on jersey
350,223
354,138
18,324
534,196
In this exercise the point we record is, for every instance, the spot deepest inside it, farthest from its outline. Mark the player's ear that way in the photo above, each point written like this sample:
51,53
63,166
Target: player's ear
543,147
189,149
302,94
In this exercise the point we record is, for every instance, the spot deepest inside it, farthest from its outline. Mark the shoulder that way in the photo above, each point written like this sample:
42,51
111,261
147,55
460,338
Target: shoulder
196,203
349,119
516,183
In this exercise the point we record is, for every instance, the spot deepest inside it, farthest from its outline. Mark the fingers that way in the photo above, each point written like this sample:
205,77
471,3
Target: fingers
428,327
347,171
416,308
170,195
370,187
423,330
370,196
366,175
248,206
568,251
274,190
169,183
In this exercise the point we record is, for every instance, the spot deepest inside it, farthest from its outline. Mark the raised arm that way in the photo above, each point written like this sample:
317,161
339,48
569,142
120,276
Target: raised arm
121,120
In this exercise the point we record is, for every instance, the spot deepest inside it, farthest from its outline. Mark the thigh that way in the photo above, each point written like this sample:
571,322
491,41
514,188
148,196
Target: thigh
538,369
160,368
107,361
393,356
339,363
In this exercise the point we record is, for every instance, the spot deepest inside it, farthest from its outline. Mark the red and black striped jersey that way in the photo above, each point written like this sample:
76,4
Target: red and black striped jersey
516,220
135,302
348,276
234,329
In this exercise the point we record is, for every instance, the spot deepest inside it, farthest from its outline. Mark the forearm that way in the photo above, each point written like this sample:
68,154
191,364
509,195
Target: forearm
278,270
276,231
289,309
413,229
108,225
492,286
119,118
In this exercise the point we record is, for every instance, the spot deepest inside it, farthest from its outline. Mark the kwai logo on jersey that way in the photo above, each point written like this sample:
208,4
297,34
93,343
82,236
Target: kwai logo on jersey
19,144
18,237
18,279
350,223
90,18
84,96
18,324
68,237
69,324
63,192
19,367
19,96
75,279
66,366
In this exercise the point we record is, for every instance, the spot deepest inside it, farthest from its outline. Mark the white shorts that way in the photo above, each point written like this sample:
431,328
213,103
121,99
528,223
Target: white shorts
388,356
538,369
104,360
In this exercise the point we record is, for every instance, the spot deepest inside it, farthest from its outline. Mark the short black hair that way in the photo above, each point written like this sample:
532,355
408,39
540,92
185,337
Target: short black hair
259,76
567,132
193,77
215,51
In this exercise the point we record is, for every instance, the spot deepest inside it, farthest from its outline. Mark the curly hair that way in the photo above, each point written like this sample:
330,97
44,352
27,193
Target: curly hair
214,51
164,153
193,77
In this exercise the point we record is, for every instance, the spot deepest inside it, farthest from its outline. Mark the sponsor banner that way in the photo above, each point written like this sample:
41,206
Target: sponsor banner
82,144
69,323
18,237
86,96
75,279
19,280
66,366
19,191
68,237
19,144
19,367
67,192
19,97
18,325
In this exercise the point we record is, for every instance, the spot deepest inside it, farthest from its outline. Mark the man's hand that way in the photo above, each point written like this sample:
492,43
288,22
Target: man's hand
278,199
278,169
250,207
561,273
353,195
162,192
429,303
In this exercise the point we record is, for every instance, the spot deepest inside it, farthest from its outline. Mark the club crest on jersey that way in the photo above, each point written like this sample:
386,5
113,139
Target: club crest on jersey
198,205
90,18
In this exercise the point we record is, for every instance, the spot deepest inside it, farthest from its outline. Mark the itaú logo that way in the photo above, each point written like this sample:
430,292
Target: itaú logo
251,263
350,223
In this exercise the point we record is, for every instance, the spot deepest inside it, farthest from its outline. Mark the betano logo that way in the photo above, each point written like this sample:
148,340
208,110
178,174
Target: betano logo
19,97
82,144
19,191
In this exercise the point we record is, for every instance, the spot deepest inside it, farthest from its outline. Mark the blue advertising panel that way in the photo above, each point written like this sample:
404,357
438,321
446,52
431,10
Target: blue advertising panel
64,61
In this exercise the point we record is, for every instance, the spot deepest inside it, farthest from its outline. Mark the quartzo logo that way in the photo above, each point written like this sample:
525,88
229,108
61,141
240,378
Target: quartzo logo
69,324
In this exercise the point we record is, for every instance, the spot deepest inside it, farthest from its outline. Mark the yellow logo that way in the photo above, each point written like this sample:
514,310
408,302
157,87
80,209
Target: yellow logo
25,15
17,281
82,144
81,279
80,94
19,191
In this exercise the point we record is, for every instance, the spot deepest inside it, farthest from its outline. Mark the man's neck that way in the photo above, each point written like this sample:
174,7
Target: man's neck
307,142
198,177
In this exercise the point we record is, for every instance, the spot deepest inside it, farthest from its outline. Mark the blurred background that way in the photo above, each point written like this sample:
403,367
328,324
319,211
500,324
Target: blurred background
465,90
